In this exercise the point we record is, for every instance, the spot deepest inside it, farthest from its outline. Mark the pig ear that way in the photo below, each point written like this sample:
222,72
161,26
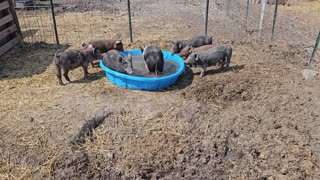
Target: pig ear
120,59
130,56
141,49
57,55
118,41
89,46
130,59
196,57
95,51
191,49
180,46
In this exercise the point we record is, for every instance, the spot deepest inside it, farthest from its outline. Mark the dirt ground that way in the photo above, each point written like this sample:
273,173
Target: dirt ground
257,119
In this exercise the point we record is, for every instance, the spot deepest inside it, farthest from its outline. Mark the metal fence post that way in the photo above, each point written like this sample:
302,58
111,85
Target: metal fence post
207,12
54,22
314,49
274,19
228,7
247,14
264,2
129,16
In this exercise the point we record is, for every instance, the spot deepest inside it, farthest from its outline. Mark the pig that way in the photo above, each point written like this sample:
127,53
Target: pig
118,62
186,51
104,45
214,56
153,58
73,59
195,41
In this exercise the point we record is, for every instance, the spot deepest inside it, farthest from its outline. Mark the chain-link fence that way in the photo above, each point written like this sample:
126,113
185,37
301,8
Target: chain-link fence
296,26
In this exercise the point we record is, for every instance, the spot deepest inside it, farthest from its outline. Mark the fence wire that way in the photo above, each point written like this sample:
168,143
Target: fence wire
79,20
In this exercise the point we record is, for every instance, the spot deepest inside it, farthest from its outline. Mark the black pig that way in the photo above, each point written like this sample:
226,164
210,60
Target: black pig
117,62
195,41
153,58
213,56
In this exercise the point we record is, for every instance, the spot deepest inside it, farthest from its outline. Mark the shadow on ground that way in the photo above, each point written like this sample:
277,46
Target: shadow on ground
28,60
91,77
226,69
183,81
29,33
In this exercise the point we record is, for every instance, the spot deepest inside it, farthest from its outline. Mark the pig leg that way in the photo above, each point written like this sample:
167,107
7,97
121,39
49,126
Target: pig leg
58,73
227,64
92,64
203,69
222,64
65,74
229,58
85,69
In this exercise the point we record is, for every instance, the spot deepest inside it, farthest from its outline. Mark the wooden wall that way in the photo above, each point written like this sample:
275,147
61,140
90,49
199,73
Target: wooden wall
10,33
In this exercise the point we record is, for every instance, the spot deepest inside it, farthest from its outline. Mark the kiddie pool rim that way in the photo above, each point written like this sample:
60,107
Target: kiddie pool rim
165,81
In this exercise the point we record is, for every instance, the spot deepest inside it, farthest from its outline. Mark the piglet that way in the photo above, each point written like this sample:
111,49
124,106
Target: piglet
195,41
104,45
73,59
153,58
186,51
213,56
118,62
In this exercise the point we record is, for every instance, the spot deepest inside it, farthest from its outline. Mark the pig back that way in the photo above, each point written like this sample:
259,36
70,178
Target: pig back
103,45
213,54
109,59
201,40
202,48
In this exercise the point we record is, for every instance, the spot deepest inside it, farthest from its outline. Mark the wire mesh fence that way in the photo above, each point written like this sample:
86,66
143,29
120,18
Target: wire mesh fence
78,21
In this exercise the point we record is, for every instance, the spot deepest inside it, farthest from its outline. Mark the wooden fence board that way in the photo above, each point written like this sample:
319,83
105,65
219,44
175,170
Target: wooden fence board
15,18
10,33
6,19
9,45
9,30
4,5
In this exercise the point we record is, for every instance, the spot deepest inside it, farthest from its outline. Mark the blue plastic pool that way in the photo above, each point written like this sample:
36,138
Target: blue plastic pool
145,83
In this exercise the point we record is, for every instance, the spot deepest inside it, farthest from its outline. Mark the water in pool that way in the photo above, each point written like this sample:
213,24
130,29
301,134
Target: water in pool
140,69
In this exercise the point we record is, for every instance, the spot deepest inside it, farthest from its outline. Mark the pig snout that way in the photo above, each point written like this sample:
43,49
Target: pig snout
172,52
189,60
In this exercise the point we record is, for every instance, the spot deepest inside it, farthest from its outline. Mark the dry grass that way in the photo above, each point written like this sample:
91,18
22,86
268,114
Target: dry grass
77,27
200,127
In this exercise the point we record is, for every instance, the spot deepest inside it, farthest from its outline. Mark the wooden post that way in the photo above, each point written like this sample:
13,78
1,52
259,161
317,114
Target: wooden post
264,2
15,18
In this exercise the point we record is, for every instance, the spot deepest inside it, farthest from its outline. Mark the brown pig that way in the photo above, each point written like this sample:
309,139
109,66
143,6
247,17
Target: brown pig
186,51
104,45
